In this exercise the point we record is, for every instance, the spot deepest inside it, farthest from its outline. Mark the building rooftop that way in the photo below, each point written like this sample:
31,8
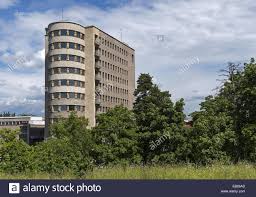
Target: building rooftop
91,26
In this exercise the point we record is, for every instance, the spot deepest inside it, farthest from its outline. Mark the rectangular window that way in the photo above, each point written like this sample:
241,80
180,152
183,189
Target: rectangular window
55,108
71,45
63,45
56,45
71,82
77,107
71,95
63,32
78,46
78,34
55,70
63,57
55,83
71,32
56,33
63,70
71,58
63,95
71,70
63,82
63,108
78,59
56,95
71,107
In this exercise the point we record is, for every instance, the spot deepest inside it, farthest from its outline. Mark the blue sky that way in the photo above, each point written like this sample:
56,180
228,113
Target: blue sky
181,43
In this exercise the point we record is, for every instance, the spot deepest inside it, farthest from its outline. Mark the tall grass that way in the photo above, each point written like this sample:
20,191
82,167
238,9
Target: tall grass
216,171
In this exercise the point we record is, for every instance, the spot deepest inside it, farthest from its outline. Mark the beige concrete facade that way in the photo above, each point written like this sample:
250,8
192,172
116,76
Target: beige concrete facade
87,71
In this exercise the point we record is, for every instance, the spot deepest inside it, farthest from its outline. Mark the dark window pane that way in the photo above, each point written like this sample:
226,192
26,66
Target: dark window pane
71,107
63,32
71,45
56,45
55,108
56,83
78,34
71,95
63,57
71,82
71,33
77,107
55,71
63,45
56,95
78,59
63,108
63,82
63,70
72,70
56,58
71,58
63,95
56,32
78,95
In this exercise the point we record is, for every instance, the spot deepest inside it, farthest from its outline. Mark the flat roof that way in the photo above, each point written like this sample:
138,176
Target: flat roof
15,117
92,26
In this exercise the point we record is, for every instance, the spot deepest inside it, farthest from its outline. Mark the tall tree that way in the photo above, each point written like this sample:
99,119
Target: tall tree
115,138
160,121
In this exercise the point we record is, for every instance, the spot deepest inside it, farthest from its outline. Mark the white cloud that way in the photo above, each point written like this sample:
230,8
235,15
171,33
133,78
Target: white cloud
213,31
7,3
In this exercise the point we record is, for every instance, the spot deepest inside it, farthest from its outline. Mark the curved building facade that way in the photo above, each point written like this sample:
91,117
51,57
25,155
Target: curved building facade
86,71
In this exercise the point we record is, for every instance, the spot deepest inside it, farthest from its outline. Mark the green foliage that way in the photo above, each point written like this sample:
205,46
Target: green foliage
115,138
67,150
58,156
224,128
15,154
159,121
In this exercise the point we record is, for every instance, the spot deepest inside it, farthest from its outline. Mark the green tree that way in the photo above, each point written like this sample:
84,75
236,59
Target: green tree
228,120
15,155
115,138
72,136
160,122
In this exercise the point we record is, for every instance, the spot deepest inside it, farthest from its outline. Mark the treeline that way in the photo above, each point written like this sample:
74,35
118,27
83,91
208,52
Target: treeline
224,130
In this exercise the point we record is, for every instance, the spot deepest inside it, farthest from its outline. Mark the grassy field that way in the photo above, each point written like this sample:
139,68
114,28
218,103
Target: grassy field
239,171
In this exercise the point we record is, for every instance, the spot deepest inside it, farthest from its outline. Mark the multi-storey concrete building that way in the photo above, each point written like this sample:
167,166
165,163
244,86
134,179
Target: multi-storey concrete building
86,70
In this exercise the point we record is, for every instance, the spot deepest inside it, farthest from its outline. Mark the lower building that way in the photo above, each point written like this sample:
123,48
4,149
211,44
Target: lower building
31,128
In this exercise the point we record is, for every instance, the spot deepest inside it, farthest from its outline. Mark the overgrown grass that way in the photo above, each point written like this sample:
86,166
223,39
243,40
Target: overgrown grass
217,171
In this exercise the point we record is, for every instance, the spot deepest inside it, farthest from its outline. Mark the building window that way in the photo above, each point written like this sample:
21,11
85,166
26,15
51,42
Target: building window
63,82
55,108
63,95
71,107
71,95
63,108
